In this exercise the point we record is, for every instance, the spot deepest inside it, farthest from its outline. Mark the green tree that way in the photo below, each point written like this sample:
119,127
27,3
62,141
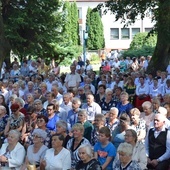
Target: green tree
32,26
143,39
95,30
75,24
129,10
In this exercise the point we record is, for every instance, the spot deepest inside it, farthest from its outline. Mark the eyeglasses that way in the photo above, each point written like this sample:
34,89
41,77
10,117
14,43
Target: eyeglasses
36,136
40,120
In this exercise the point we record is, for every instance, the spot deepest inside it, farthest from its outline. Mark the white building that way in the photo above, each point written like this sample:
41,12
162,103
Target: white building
116,37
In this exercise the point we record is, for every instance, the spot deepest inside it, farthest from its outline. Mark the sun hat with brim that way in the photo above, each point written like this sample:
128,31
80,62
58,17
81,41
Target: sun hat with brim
41,133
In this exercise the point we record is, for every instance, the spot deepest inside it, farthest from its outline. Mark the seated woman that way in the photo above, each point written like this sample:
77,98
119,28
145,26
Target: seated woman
75,142
142,93
61,129
124,106
130,88
112,120
15,121
57,157
36,151
147,113
88,127
138,148
125,151
30,122
87,161
12,153
139,125
118,134
107,102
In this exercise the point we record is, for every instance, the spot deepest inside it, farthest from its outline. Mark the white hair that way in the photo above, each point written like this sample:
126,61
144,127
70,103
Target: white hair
87,148
125,148
115,109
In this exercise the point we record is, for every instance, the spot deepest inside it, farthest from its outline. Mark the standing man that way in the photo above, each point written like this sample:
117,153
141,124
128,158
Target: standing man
157,144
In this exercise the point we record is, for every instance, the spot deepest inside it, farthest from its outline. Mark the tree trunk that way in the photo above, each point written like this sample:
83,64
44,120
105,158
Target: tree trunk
161,56
4,44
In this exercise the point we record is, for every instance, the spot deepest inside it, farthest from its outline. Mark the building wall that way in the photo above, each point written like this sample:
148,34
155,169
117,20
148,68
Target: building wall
121,40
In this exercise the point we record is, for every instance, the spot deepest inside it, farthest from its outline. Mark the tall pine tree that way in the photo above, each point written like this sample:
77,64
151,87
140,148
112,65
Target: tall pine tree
95,30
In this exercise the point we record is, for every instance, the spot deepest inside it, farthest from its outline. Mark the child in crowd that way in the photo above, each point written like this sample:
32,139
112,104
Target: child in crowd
104,150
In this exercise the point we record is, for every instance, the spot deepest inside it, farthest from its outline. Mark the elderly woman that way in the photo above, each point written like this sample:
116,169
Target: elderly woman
36,151
15,121
139,125
61,129
3,121
138,148
87,160
147,113
12,153
112,120
125,161
88,127
75,142
124,106
57,157
118,134
107,102
21,104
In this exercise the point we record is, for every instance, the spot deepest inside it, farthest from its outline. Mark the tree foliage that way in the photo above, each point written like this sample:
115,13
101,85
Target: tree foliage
31,26
143,39
95,30
35,28
129,10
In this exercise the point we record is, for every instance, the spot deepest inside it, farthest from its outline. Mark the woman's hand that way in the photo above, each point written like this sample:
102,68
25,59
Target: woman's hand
43,165
3,159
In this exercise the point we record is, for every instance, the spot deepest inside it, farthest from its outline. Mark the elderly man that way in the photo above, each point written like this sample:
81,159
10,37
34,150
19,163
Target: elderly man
73,113
158,144
92,107
72,79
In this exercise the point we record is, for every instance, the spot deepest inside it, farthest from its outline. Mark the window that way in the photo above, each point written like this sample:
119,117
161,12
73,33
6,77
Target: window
148,29
125,33
114,33
135,31
80,13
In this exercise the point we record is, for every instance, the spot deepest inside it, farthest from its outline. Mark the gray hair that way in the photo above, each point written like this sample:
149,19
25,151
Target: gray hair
3,108
87,148
16,133
37,100
125,148
147,104
77,100
83,112
62,124
108,90
114,109
20,101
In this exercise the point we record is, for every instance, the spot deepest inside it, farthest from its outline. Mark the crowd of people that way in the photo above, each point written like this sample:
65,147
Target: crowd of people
116,120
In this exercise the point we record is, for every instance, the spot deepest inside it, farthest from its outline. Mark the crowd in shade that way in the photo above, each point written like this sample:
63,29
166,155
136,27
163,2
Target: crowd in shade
118,119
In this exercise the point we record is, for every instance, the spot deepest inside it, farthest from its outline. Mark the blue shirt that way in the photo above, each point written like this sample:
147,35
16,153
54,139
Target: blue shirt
51,125
104,152
71,118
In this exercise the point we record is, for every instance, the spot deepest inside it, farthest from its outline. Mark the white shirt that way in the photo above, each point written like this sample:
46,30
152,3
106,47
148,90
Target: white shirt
60,161
166,155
